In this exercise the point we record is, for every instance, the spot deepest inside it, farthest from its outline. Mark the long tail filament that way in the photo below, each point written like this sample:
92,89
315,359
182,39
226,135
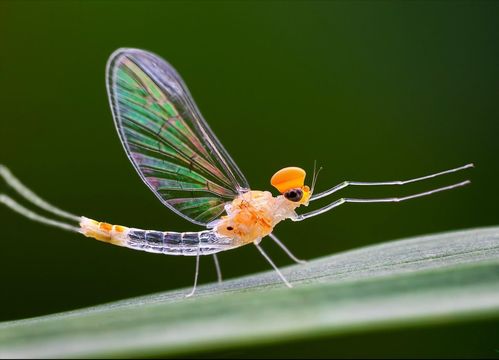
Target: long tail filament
34,199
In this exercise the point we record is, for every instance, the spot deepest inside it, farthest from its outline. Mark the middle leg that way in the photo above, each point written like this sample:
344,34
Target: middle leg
286,250
273,265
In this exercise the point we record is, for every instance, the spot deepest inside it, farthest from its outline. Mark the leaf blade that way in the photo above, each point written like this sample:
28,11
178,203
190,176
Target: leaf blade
452,276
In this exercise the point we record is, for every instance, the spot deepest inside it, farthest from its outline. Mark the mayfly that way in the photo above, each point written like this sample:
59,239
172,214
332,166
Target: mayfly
180,159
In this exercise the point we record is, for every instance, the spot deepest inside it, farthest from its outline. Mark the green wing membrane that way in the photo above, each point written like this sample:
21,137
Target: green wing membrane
167,140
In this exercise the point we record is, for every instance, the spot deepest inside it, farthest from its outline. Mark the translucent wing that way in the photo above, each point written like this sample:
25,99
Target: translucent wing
167,140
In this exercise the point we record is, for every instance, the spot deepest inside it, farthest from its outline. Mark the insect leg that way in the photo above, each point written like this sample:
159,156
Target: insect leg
29,195
195,277
381,200
273,265
286,250
18,208
382,183
217,267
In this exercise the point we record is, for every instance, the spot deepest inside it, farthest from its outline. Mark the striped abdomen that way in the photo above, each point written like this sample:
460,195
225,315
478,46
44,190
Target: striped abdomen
162,242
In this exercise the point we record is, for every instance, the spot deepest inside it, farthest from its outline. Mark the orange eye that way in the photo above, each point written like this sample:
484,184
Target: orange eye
288,178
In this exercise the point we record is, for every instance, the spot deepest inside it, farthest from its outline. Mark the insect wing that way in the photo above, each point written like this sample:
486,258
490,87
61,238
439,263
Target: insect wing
167,140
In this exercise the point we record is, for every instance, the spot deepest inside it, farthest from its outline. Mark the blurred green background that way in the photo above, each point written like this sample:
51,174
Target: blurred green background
371,90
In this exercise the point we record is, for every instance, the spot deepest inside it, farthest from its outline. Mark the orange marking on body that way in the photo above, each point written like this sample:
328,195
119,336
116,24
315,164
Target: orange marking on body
105,226
102,231
119,228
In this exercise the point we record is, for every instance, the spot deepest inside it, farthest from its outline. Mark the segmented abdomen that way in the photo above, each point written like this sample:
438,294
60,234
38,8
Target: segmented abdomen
162,242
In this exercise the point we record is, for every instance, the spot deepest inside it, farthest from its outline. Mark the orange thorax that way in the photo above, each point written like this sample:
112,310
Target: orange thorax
252,216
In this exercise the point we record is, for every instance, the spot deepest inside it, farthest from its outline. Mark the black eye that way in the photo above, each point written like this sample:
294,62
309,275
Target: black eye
230,228
294,195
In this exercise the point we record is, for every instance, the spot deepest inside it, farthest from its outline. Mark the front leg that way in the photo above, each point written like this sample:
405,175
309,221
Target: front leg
380,200
344,184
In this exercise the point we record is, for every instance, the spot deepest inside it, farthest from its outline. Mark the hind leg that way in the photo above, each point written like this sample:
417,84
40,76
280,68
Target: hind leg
196,274
217,267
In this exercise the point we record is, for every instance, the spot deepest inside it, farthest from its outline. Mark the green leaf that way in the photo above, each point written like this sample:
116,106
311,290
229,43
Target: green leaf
423,280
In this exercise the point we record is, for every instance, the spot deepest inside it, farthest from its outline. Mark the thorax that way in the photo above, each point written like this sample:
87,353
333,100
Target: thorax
253,215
